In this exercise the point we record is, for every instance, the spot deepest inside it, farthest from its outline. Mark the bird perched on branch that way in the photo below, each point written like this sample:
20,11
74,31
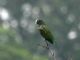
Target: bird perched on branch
44,31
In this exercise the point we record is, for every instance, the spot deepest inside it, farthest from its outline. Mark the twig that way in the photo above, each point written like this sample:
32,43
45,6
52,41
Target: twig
52,53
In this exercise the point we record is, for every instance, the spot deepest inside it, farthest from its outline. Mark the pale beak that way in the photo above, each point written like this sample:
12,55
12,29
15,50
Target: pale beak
36,21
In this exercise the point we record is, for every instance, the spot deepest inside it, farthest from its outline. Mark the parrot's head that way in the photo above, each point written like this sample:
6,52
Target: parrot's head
39,22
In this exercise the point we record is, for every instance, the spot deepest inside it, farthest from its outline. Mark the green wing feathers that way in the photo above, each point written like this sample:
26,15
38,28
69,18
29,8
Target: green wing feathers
44,31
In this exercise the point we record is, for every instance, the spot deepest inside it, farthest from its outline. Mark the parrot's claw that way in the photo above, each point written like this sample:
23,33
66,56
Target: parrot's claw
43,46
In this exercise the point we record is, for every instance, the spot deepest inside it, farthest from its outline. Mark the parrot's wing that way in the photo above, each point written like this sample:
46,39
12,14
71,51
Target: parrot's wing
45,32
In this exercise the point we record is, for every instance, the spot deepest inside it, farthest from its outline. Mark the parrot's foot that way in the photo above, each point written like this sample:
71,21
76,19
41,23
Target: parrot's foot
44,46
47,47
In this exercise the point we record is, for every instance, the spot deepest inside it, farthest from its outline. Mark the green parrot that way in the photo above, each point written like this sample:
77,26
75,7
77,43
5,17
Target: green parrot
44,31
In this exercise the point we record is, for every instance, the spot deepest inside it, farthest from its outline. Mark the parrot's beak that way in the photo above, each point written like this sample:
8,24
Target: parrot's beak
36,21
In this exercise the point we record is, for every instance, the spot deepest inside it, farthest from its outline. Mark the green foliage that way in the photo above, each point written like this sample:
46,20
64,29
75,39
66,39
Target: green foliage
36,57
15,51
10,50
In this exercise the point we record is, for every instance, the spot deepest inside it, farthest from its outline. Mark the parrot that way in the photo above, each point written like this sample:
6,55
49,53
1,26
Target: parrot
44,31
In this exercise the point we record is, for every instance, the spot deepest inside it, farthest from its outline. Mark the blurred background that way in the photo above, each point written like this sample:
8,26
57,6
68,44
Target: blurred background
19,37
